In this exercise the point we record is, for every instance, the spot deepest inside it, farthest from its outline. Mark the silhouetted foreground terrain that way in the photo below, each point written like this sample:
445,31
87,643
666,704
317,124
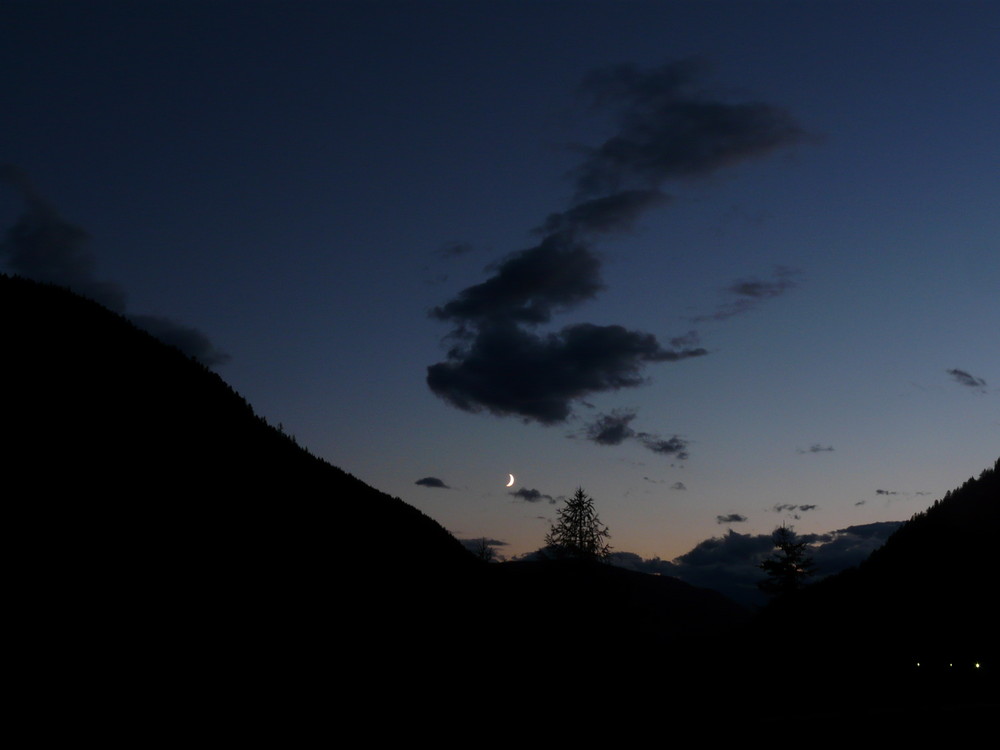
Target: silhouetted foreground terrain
177,563
904,631
172,553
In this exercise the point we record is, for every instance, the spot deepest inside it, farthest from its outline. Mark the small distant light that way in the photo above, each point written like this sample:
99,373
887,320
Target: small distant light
977,665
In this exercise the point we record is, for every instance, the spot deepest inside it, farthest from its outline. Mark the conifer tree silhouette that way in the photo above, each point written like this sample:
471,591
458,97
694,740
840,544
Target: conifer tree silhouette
578,532
789,566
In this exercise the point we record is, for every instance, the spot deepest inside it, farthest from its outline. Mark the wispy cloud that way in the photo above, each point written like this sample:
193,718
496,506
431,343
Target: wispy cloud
816,448
969,381
792,510
745,295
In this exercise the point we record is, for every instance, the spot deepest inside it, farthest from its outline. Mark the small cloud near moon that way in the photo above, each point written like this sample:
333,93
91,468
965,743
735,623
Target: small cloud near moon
511,482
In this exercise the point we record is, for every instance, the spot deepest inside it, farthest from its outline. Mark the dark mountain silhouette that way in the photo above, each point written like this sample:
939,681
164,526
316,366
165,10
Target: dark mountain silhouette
931,583
174,552
175,560
96,405
171,551
915,625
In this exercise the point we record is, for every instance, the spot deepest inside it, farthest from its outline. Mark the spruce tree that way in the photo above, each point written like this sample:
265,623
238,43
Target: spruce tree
578,532
789,565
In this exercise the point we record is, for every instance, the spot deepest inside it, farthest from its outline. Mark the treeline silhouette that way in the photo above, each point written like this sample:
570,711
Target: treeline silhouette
176,561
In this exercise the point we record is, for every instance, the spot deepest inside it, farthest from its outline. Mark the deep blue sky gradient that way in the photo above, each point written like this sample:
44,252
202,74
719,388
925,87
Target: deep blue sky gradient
304,181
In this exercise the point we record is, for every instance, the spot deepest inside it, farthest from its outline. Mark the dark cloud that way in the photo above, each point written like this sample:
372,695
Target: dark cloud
674,446
509,371
611,213
793,510
528,286
816,448
531,496
756,289
665,129
44,247
690,341
668,129
611,429
432,482
731,518
615,428
746,294
892,495
969,381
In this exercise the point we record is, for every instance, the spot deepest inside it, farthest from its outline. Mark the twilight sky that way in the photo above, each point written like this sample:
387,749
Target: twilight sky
722,264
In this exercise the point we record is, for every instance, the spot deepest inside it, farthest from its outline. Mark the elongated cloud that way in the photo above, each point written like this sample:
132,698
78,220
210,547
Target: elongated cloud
615,428
745,295
969,381
665,129
528,286
792,510
43,246
531,496
432,482
509,371
669,129
816,448
611,213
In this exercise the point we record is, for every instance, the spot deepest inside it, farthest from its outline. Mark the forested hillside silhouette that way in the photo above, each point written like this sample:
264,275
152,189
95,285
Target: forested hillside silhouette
175,559
96,405
170,550
914,625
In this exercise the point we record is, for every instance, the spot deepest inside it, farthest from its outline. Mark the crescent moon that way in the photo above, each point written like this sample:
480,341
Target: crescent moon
511,482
